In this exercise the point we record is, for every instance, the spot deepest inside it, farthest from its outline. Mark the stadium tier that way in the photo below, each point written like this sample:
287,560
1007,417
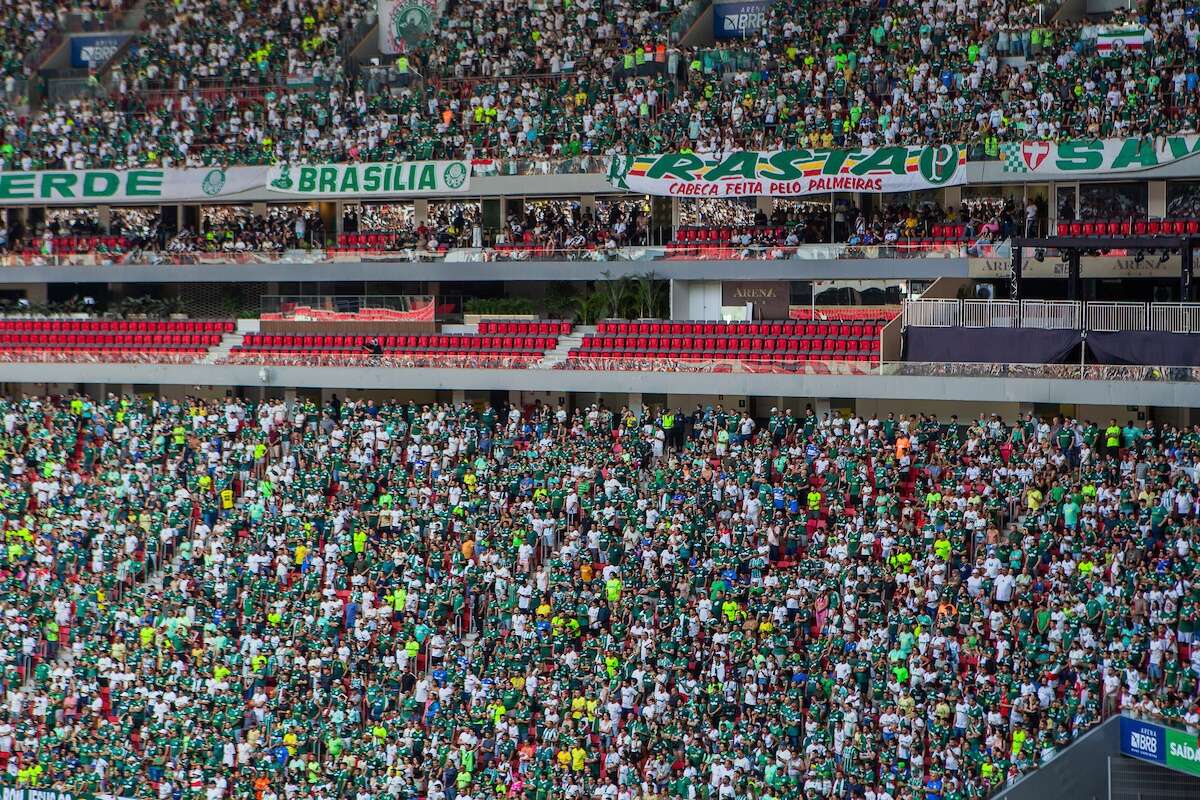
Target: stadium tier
230,597
631,400
216,84
116,340
740,341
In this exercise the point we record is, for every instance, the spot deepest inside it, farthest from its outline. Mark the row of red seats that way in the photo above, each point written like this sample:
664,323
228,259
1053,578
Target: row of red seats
76,244
370,241
930,243
707,355
531,352
423,342
948,231
524,327
723,344
720,235
113,350
334,252
95,340
1141,227
856,329
119,325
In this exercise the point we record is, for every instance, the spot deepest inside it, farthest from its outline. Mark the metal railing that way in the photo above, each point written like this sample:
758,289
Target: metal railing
1101,317
932,313
1113,317
1051,315
991,314
752,364
1085,372
1175,317
315,358
755,364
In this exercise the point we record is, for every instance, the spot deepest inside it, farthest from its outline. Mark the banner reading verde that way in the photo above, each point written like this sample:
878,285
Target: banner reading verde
1149,741
360,180
102,186
1073,158
791,173
106,186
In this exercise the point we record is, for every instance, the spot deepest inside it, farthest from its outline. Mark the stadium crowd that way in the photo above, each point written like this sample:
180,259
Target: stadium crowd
390,600
534,89
554,225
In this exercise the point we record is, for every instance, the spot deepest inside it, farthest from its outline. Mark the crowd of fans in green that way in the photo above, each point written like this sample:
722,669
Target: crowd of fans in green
550,82
270,600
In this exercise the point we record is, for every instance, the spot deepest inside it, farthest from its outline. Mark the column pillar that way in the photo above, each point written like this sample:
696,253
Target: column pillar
420,211
1156,199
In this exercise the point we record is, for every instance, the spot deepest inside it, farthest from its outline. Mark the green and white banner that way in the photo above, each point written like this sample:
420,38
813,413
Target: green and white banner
370,180
1116,40
110,186
234,184
790,173
404,22
23,793
1107,156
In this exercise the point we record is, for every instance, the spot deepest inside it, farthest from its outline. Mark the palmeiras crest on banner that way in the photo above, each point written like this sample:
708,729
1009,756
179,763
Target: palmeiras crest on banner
403,23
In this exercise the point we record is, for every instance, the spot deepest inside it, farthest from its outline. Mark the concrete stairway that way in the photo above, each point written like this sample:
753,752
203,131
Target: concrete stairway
565,345
231,340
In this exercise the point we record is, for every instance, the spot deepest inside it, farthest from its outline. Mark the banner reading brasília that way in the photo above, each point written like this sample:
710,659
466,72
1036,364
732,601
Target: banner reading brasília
369,180
234,184
791,173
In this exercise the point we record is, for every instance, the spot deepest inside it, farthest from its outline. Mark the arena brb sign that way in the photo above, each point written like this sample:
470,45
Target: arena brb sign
734,20
791,173
1171,748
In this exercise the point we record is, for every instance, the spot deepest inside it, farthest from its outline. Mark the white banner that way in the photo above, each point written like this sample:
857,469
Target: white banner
93,187
370,180
1076,158
791,173
404,22
108,186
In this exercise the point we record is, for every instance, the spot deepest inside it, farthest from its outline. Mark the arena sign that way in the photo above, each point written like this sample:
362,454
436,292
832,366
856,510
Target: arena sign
1072,158
790,173
735,20
1152,742
1051,266
362,180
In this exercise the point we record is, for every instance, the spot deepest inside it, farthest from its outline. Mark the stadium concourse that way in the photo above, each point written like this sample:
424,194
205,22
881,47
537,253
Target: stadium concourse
210,84
386,600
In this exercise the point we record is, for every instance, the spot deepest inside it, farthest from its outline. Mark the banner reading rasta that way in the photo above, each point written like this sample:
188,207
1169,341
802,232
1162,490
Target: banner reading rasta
791,173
